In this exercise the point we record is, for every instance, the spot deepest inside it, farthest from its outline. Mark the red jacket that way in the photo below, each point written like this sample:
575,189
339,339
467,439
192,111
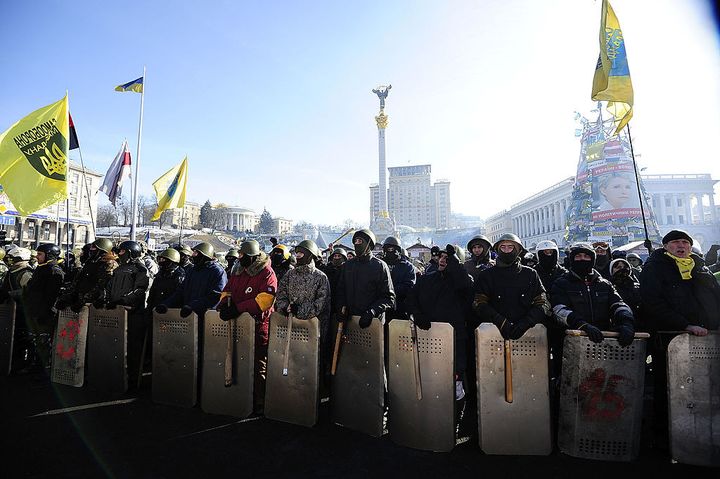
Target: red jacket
253,290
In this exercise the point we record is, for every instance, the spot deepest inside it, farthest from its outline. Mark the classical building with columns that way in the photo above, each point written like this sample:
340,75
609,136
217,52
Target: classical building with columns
683,201
53,224
238,218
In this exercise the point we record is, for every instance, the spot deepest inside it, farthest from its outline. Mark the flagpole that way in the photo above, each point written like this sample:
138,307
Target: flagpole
647,243
182,218
87,190
137,162
67,225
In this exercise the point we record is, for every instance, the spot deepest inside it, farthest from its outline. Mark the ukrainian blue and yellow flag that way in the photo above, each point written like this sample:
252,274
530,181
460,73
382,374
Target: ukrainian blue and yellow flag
612,74
170,189
135,85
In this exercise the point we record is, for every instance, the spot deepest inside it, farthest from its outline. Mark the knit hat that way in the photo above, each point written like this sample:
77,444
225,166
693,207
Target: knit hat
676,235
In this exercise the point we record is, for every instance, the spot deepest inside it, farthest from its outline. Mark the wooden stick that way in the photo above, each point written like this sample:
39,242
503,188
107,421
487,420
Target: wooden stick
286,359
508,372
336,351
416,360
232,326
142,357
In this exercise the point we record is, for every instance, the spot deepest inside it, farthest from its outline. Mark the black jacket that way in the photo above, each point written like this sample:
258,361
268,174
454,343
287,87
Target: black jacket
333,274
166,282
365,284
201,288
128,285
402,274
442,296
548,277
41,292
510,292
90,282
474,266
671,303
596,303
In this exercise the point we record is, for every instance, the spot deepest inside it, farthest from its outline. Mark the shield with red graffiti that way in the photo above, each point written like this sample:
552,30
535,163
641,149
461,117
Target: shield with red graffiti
694,399
7,333
513,392
601,398
68,357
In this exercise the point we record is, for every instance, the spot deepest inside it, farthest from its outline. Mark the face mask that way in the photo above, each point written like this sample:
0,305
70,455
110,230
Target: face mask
581,268
246,261
362,246
602,260
199,260
391,256
547,262
276,259
303,259
124,257
621,273
507,258
337,262
231,261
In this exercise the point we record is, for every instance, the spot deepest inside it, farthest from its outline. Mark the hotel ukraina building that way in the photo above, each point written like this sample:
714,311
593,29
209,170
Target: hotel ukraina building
682,201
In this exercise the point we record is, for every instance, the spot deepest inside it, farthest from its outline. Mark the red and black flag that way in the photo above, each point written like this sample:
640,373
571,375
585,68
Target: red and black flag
74,145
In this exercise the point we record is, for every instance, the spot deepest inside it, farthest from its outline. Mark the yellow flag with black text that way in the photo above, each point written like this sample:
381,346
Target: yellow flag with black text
170,189
34,158
612,74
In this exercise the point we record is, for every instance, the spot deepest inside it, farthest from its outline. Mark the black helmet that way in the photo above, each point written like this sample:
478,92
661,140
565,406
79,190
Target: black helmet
170,254
205,249
51,251
103,244
586,248
132,247
310,246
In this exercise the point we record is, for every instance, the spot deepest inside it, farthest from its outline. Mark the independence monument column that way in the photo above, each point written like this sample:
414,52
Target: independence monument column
382,225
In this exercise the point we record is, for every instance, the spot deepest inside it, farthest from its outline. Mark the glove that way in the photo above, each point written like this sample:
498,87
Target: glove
61,304
228,312
161,309
595,335
506,327
627,333
520,328
76,307
185,311
366,318
111,304
99,303
421,321
340,315
294,308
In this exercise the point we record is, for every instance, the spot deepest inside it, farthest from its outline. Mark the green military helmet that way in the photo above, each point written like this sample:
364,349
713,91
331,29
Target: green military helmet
339,251
509,237
232,253
205,249
391,241
103,244
310,246
184,249
170,254
2,253
479,239
250,248
367,233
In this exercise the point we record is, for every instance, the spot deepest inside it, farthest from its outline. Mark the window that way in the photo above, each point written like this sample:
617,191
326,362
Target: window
681,219
667,202
669,220
679,202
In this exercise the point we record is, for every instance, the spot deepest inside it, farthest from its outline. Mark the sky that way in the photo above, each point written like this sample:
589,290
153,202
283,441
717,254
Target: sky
272,100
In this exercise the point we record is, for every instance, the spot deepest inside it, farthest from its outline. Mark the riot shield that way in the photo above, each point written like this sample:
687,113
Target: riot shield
421,412
107,350
68,355
223,340
358,388
694,399
292,388
7,334
174,358
513,392
601,394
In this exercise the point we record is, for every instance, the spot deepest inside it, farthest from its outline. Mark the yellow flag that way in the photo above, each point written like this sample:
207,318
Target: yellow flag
170,189
612,74
34,158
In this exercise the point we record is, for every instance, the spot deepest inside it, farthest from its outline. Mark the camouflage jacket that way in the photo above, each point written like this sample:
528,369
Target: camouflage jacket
89,285
309,288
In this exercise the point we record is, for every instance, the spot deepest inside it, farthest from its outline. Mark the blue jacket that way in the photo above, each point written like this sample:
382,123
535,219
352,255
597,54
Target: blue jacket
402,273
201,288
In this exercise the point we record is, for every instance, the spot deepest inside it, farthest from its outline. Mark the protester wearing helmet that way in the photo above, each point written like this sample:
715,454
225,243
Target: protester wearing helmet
281,260
402,273
89,284
479,248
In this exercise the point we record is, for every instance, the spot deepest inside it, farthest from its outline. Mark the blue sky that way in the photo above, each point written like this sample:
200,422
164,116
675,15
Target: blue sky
272,101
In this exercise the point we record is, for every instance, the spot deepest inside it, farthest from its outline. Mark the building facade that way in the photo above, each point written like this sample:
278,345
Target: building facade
282,225
238,218
679,201
189,215
413,200
53,224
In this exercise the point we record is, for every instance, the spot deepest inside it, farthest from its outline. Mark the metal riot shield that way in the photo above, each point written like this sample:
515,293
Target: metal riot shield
174,358
601,398
292,388
68,355
7,334
358,388
107,350
694,399
223,340
513,392
421,412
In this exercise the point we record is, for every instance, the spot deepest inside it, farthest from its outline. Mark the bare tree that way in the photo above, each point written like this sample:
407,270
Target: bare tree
124,209
106,215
